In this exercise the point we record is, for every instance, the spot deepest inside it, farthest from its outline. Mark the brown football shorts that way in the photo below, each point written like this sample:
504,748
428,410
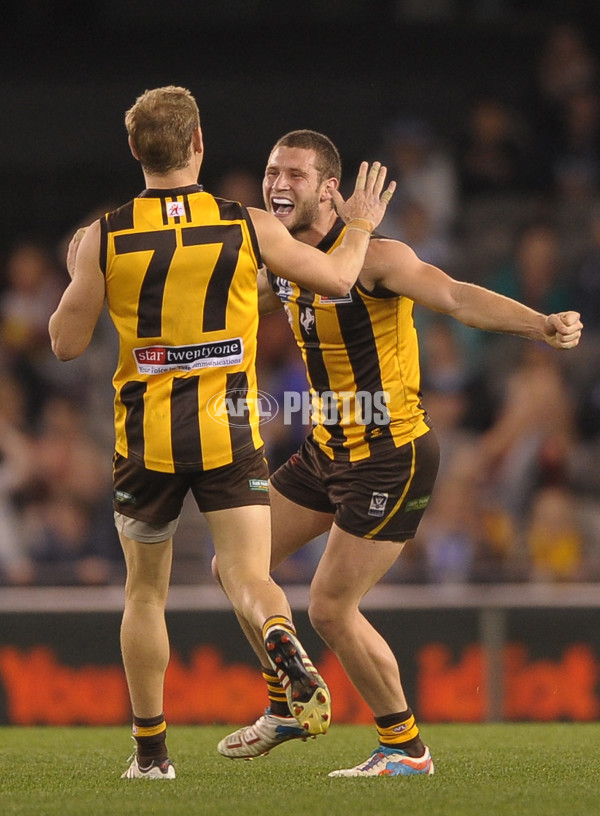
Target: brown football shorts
382,497
157,498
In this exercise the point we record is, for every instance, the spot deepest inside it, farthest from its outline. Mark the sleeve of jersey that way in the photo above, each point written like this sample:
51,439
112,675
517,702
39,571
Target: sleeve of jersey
103,244
271,279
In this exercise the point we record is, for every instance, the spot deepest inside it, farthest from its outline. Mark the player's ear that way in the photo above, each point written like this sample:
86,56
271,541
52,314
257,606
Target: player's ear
330,184
197,140
132,148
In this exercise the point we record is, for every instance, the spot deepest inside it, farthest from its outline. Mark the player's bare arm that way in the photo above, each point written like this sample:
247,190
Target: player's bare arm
336,273
72,325
396,267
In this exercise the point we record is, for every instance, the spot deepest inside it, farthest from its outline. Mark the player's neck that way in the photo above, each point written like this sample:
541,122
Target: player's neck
319,228
172,180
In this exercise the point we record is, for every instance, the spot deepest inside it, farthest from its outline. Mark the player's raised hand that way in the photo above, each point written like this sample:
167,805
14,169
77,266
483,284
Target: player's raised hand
563,330
367,201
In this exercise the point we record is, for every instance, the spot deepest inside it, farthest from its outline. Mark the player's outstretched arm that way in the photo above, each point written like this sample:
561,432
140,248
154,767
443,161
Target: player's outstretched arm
395,266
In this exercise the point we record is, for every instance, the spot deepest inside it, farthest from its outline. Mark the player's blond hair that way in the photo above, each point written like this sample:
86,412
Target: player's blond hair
161,124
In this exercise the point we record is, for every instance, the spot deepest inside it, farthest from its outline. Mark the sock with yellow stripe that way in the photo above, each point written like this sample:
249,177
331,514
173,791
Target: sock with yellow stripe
277,622
278,704
400,731
150,734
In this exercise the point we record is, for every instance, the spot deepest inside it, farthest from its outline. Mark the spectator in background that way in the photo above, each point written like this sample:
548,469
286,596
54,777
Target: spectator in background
412,223
575,161
529,443
425,174
534,273
492,155
467,535
31,294
68,509
486,516
68,459
17,465
64,543
584,472
587,274
555,542
240,184
565,64
453,382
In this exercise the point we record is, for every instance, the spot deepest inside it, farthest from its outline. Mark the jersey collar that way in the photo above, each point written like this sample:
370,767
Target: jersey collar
329,240
152,192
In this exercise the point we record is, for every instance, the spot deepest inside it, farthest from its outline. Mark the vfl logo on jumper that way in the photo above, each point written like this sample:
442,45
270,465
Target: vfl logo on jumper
175,209
307,318
378,503
283,289
162,359
242,406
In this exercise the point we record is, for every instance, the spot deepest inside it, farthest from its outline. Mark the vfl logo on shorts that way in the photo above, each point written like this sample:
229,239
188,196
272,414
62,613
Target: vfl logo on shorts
260,485
162,359
378,503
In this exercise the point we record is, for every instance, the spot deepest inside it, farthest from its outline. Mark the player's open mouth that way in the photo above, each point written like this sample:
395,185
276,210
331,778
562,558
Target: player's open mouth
282,206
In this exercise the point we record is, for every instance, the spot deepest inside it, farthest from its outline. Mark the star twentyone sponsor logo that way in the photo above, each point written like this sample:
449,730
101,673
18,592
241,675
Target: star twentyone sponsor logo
163,359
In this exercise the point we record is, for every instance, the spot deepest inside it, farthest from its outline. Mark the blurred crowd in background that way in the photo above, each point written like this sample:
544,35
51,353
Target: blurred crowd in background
512,203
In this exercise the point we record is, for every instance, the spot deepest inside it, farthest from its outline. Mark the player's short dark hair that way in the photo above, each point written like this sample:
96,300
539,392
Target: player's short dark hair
328,162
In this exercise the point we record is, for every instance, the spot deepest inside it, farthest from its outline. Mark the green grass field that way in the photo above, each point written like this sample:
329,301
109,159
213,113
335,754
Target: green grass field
481,770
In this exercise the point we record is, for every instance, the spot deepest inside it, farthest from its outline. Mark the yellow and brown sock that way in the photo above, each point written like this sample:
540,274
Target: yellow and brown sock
150,734
278,621
400,731
278,704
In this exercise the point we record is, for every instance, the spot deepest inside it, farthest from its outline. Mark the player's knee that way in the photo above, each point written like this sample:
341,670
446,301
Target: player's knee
324,615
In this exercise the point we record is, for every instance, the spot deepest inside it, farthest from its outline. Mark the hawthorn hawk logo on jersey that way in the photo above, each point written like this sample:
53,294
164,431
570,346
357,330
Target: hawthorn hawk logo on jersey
307,318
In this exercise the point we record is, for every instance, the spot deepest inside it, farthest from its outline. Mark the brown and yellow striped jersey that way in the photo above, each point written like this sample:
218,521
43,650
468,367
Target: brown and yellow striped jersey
362,361
180,268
